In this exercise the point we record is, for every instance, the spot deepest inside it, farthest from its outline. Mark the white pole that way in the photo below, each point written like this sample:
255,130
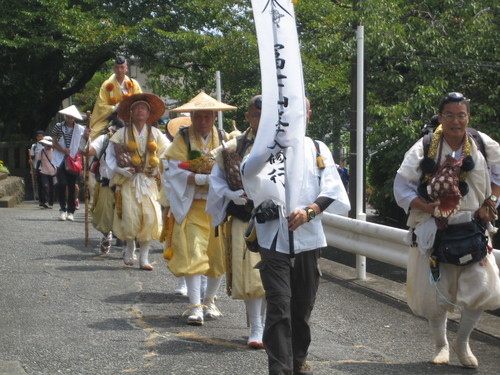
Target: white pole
219,97
360,215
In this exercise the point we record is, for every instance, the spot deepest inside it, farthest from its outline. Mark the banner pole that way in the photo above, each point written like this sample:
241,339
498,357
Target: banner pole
219,98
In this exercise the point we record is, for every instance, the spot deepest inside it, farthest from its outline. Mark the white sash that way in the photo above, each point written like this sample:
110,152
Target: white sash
78,131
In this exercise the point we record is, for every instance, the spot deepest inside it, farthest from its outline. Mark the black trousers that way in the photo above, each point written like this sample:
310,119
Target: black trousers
64,179
39,187
291,286
47,189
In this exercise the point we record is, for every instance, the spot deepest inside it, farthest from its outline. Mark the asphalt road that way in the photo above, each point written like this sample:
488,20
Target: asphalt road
67,310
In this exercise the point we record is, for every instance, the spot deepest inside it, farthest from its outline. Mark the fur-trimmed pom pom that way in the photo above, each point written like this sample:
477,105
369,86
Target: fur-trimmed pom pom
468,164
428,165
463,186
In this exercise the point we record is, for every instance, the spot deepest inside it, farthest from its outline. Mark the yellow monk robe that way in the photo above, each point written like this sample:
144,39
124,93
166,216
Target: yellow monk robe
196,249
110,94
245,278
102,210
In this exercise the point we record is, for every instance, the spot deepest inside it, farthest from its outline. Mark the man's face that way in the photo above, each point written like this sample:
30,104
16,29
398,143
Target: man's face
70,120
308,112
454,119
253,117
139,113
120,71
203,121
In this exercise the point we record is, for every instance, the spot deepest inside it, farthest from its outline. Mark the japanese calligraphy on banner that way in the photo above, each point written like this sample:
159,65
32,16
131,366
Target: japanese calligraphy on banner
283,119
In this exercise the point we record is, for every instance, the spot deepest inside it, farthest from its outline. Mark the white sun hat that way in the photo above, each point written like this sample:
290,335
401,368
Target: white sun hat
71,111
47,140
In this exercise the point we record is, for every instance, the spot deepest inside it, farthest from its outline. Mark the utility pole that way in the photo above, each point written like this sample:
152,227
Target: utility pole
357,140
354,132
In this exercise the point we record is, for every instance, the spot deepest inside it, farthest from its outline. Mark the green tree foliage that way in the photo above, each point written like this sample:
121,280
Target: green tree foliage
185,43
415,52
328,41
49,50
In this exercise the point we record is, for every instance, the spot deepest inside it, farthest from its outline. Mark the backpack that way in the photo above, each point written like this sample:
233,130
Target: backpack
96,161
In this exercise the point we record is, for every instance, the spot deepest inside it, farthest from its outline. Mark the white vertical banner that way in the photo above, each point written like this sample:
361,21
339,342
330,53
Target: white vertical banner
283,119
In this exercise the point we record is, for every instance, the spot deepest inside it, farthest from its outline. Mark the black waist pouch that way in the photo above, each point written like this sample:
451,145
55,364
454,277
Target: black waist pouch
461,244
242,212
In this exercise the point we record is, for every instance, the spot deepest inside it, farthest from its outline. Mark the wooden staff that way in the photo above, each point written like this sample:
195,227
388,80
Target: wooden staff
32,172
86,173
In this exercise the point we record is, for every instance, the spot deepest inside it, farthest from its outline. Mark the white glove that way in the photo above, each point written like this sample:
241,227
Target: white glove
201,179
235,196
127,172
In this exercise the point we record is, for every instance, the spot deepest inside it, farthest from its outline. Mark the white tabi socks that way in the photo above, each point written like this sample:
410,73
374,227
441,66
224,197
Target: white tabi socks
212,287
461,344
195,315
129,253
144,256
193,284
256,318
210,310
181,288
438,328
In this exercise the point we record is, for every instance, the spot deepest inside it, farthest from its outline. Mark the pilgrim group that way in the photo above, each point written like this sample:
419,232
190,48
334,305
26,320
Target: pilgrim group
197,189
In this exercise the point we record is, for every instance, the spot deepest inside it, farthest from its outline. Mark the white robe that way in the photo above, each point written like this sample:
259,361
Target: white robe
475,286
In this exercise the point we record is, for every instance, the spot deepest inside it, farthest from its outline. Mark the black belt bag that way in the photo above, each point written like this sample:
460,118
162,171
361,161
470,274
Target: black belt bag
242,212
461,244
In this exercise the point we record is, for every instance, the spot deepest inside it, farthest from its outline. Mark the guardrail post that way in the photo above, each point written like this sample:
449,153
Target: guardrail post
360,259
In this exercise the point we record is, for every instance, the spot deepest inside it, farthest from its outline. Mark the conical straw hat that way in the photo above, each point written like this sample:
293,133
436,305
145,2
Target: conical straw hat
156,106
203,102
175,124
71,111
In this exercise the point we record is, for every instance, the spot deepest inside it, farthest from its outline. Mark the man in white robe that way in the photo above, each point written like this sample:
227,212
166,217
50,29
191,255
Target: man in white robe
474,287
134,155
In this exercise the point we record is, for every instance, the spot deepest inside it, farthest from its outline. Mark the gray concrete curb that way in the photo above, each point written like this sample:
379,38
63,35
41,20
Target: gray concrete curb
489,324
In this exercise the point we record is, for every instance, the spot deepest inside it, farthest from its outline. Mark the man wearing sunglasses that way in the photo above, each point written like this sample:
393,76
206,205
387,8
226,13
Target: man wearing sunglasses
447,184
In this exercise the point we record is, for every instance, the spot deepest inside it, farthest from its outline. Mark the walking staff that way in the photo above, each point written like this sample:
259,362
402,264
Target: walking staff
86,174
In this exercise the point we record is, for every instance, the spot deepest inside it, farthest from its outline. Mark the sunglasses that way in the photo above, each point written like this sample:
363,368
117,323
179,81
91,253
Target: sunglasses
455,96
452,97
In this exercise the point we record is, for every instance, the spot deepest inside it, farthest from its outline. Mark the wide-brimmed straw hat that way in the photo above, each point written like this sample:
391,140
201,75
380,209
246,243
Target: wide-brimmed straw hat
175,124
71,111
203,102
47,140
156,106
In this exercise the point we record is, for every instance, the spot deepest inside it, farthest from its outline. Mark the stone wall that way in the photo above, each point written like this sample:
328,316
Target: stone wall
12,190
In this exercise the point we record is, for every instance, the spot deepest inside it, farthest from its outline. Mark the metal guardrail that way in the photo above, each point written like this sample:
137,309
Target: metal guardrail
376,241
